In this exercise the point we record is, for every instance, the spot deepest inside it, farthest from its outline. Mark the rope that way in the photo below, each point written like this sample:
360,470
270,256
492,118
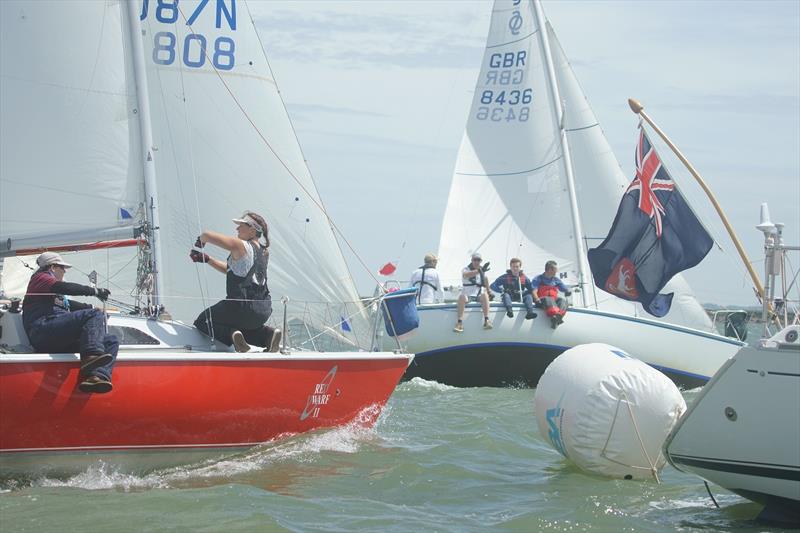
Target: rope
653,470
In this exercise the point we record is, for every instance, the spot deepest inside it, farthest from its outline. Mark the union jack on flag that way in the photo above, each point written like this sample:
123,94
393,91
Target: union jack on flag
651,176
651,239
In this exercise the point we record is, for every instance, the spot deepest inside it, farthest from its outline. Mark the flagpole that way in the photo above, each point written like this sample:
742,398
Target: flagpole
638,108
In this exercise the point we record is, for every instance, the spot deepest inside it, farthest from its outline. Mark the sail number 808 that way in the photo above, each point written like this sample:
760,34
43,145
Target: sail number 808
497,114
194,50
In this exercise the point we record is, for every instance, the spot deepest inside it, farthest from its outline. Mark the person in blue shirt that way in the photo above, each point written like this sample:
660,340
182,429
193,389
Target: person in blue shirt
546,287
515,286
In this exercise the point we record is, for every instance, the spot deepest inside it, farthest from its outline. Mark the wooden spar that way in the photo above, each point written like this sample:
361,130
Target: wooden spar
638,108
100,245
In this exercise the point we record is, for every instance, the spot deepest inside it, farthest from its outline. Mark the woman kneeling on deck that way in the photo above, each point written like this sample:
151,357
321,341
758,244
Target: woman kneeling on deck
240,318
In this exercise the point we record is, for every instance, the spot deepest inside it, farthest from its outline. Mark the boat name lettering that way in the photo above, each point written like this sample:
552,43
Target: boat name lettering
165,43
319,397
508,59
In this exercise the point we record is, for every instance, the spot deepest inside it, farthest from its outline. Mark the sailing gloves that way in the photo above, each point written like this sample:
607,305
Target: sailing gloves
198,257
485,266
102,293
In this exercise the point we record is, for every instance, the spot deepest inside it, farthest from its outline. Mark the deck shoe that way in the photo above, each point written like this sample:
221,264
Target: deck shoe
275,343
92,362
239,344
95,384
459,327
510,313
530,315
487,324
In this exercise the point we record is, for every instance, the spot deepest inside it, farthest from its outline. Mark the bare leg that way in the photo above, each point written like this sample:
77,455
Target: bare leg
462,302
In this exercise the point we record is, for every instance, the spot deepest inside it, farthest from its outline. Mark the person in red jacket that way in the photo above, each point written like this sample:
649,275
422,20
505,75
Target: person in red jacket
546,287
55,324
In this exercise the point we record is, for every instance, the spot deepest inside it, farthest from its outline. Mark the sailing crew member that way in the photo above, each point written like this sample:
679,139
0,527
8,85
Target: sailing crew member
475,288
515,287
240,318
56,324
546,287
426,280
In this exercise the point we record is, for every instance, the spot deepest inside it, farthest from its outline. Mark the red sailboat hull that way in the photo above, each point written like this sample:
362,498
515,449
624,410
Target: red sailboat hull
185,402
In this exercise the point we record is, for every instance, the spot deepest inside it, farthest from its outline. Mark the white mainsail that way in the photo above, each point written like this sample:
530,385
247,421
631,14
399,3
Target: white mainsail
222,144
509,196
68,127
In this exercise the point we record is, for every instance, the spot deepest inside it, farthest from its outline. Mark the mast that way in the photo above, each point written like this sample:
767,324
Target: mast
559,116
146,134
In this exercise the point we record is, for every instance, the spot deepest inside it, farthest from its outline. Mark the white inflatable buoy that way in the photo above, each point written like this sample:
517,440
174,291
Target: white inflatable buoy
606,411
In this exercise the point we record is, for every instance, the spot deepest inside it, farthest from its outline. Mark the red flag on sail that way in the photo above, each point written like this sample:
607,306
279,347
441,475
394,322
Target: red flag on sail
387,269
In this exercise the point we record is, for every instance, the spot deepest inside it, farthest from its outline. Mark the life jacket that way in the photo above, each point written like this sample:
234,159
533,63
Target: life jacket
251,289
513,285
422,282
473,281
550,291
544,291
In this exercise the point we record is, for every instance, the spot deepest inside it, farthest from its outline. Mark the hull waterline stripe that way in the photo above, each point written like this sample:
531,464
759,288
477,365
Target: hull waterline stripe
747,468
664,369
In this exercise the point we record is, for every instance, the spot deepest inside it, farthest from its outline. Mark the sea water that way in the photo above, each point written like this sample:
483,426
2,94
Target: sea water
439,459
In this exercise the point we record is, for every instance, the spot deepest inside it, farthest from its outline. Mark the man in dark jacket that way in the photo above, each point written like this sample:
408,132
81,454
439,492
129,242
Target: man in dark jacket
515,286
55,324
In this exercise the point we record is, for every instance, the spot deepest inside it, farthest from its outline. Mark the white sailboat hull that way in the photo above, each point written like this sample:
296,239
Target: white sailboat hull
517,351
743,431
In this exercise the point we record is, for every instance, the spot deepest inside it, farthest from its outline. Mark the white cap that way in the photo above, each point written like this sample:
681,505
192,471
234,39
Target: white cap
250,221
51,258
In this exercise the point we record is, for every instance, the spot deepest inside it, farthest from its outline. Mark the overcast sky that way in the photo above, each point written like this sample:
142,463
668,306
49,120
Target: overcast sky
379,92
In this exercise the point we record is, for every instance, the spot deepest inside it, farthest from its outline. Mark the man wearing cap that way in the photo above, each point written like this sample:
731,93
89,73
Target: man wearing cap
475,287
426,280
55,324
239,319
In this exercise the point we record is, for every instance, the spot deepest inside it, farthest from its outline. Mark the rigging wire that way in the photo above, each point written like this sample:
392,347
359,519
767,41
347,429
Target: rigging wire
277,157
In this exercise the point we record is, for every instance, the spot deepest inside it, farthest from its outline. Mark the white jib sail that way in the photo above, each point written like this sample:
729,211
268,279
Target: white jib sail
509,196
224,144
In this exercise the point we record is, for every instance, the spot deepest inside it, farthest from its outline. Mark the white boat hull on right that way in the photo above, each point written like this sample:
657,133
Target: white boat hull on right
742,432
517,351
